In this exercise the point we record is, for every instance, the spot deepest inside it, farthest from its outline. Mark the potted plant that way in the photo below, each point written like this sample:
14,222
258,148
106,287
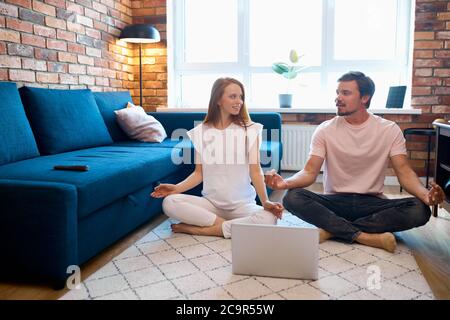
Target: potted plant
289,72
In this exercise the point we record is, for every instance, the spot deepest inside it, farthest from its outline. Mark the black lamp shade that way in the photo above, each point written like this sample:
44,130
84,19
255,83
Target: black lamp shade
140,33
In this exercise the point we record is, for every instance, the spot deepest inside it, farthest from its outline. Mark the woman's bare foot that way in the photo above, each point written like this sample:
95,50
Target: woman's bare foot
179,227
384,241
214,230
324,235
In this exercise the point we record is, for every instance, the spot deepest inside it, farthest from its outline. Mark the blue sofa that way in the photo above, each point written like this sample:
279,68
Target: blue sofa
52,219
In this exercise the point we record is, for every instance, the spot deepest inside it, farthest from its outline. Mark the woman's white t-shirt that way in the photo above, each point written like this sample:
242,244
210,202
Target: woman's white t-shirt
225,159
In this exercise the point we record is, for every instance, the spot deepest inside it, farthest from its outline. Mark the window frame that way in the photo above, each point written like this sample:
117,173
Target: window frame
401,64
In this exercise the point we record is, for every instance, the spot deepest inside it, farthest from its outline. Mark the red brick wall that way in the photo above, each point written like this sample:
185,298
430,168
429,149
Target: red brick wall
431,70
65,43
431,73
154,56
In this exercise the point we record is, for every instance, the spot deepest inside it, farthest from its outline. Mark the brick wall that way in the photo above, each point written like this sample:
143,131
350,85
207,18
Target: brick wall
154,56
431,74
65,43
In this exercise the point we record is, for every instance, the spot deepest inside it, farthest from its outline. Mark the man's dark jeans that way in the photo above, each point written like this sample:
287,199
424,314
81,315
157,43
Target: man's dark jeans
345,215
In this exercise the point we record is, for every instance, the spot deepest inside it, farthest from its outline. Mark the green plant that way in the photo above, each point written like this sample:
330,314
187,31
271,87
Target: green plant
286,70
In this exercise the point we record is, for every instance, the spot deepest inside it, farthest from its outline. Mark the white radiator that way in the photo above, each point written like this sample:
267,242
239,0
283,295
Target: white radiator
296,141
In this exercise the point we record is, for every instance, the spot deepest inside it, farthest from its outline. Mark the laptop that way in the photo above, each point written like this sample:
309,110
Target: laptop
275,251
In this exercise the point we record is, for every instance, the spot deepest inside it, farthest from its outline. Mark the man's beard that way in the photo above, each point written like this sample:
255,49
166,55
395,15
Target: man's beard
345,113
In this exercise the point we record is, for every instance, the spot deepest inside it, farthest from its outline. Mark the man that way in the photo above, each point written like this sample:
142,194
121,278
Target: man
355,148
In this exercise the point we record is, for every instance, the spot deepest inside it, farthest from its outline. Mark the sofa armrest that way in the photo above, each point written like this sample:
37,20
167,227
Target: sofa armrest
38,230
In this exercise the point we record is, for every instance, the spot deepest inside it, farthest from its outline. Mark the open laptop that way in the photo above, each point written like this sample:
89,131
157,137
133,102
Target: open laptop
275,251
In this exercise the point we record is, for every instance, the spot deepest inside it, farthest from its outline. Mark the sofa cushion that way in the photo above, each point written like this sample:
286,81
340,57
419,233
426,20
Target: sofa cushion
16,138
167,143
183,149
114,172
107,103
64,120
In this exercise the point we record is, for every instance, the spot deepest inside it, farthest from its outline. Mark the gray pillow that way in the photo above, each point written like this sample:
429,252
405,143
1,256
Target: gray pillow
138,125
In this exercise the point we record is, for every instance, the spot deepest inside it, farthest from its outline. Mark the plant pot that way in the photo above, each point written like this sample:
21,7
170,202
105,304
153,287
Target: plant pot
285,100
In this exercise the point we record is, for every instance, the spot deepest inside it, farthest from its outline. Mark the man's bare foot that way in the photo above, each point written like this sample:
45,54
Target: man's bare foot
389,242
214,230
324,235
384,241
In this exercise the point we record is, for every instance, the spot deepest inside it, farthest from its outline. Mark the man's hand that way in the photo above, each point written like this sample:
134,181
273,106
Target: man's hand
163,190
275,208
274,181
435,195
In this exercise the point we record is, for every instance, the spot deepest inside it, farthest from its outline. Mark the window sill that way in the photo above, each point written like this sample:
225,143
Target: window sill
300,110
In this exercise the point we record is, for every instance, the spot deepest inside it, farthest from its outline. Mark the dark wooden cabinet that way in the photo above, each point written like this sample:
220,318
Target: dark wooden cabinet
442,169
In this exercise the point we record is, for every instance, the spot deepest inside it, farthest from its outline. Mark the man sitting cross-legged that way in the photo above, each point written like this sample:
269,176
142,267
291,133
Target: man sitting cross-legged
355,148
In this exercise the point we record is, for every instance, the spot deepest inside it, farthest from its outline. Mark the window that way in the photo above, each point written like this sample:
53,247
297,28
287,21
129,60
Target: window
220,36
242,38
377,24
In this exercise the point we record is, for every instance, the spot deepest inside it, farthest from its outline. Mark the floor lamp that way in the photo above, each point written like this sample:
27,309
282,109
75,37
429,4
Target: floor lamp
140,33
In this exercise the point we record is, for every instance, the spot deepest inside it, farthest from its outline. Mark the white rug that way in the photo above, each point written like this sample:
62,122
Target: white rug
164,265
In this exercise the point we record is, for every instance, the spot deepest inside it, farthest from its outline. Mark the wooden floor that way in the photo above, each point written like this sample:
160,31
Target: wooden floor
430,245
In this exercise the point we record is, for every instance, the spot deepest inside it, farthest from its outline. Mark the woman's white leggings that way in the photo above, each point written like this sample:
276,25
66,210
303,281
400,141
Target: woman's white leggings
199,211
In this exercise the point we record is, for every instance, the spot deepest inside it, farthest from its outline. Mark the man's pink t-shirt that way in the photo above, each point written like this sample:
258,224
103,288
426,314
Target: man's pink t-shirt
356,156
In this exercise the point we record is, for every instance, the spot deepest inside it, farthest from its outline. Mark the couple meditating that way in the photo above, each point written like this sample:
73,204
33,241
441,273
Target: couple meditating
354,147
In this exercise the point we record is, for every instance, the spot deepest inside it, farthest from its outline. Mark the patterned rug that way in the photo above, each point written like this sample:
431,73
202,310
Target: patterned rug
164,265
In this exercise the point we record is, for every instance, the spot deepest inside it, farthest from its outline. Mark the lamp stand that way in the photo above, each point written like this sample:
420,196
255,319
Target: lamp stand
140,33
140,74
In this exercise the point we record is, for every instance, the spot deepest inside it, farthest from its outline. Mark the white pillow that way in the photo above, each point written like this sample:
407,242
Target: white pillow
138,125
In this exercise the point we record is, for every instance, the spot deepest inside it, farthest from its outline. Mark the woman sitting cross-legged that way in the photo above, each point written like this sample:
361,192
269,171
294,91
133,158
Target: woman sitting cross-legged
227,162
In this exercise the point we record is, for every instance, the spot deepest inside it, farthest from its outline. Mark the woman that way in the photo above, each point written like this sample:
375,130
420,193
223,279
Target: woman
227,162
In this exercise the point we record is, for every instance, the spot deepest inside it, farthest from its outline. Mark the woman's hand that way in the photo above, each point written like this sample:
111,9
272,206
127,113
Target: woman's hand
274,181
163,190
275,208
435,195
